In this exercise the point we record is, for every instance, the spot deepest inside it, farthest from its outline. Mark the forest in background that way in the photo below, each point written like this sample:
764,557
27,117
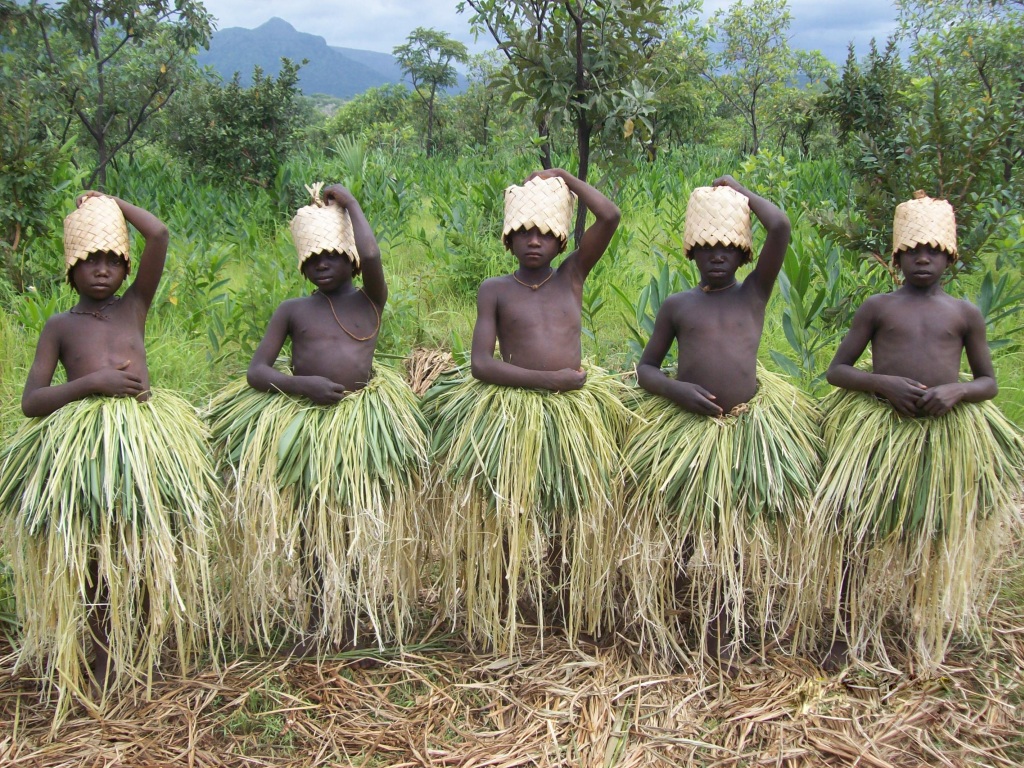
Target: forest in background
643,99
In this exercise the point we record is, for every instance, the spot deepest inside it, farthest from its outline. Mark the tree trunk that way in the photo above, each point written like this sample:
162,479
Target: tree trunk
430,127
583,131
543,131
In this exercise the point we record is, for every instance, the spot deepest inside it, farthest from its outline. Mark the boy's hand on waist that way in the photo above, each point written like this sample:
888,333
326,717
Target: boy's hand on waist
696,399
320,389
115,382
566,379
904,394
940,400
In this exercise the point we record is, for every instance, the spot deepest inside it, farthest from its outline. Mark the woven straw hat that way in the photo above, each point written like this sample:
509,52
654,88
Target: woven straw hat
718,216
542,203
924,221
319,227
96,225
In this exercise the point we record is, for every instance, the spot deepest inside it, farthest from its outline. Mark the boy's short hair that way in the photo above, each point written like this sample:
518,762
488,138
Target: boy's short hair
718,216
320,228
542,203
95,226
924,221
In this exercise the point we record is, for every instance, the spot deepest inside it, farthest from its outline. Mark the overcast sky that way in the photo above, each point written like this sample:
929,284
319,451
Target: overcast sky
380,25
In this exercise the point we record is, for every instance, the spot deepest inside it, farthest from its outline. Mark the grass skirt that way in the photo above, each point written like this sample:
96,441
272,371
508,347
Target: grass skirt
719,515
127,489
529,502
322,494
922,505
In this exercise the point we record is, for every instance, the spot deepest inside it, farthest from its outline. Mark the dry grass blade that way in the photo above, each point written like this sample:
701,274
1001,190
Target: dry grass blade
443,705
924,507
528,502
127,488
326,489
424,366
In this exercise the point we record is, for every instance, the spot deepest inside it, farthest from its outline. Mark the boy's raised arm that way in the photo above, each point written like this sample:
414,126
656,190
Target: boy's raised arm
595,239
777,227
374,283
154,255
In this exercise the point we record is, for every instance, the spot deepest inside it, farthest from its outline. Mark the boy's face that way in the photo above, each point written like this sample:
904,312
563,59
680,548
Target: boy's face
533,249
717,263
923,265
99,275
327,270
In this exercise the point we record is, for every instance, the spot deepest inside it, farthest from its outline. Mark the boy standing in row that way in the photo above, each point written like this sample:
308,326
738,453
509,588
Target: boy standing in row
107,490
725,456
528,448
922,467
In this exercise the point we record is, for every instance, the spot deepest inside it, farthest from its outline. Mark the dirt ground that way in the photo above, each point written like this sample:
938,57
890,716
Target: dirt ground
440,704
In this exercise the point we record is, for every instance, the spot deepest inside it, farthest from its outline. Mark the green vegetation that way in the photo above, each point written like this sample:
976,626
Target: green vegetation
836,153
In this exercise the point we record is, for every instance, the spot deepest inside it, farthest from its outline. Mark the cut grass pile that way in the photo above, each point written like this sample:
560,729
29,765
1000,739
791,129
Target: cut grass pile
441,704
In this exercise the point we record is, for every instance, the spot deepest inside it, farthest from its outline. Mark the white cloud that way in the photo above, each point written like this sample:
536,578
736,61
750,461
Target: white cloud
380,25
373,25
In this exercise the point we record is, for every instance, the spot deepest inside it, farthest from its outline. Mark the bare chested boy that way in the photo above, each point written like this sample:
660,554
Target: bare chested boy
529,445
535,313
137,535
100,341
705,518
923,520
717,325
334,330
326,505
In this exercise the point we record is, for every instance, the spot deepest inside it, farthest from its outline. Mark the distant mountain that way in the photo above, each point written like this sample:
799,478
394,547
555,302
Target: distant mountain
339,72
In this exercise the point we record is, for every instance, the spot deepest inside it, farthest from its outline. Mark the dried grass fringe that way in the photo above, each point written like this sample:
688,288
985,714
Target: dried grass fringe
525,477
719,520
327,489
129,485
923,508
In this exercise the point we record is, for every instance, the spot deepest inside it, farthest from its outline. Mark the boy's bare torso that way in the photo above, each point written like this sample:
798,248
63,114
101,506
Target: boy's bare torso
718,335
111,339
319,345
539,329
918,336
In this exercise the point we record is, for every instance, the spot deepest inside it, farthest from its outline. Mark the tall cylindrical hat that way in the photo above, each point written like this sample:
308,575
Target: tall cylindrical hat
542,203
95,225
924,221
319,227
718,216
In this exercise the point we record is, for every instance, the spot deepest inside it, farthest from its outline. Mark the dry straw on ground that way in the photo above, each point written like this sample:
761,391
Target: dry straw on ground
440,705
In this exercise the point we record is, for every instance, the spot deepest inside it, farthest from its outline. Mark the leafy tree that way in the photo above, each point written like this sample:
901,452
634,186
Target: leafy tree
238,134
380,117
113,64
573,60
868,96
948,122
674,99
427,59
755,63
34,166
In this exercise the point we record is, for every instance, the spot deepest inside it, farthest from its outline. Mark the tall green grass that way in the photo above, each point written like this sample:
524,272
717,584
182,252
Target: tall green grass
438,221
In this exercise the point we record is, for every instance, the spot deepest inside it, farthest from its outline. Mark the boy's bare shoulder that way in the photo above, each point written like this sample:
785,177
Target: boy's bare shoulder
682,298
878,303
495,284
967,309
61,322
289,306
